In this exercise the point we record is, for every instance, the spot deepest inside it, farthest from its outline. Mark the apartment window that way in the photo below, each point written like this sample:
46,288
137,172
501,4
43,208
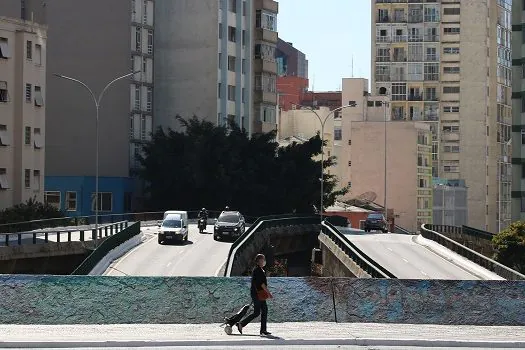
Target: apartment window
451,11
39,100
105,201
451,70
350,163
219,88
138,39
29,50
143,127
232,31
399,92
338,134
243,94
243,66
37,138
220,30
4,48
137,97
451,149
431,14
232,6
266,52
38,54
150,42
145,13
451,50
36,179
244,8
431,71
4,137
451,109
523,137
27,135
149,99
4,184
29,92
451,30
451,89
451,128
231,63
27,178
523,171
71,201
3,91
383,54
243,37
231,92
52,198
266,20
450,168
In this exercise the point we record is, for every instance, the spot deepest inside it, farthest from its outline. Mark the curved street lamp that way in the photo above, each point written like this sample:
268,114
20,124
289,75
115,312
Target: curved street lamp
97,101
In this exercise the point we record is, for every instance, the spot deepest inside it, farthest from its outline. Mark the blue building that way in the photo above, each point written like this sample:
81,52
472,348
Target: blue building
75,194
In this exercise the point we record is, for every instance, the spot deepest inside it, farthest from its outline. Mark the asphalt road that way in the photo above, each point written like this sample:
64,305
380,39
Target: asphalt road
199,256
408,259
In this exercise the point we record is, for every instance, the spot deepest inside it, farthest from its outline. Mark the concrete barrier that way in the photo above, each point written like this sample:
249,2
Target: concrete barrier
154,300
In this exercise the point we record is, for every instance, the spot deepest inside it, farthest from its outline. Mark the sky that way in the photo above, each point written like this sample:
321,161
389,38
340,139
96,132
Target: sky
329,33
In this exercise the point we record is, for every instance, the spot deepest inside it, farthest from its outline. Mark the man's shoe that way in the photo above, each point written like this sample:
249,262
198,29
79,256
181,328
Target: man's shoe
266,333
239,327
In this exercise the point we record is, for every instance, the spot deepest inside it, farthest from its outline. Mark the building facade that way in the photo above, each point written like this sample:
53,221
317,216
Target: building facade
114,42
290,61
216,60
450,202
22,110
447,63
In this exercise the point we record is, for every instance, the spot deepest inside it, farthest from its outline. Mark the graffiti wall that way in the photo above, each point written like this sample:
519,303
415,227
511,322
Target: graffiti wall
120,300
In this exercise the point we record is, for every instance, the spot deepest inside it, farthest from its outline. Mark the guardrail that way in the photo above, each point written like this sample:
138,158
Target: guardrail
403,231
105,247
361,259
33,237
463,230
261,224
470,254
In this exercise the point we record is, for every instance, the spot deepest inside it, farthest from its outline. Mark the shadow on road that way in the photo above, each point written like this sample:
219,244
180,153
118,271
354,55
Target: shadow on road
183,243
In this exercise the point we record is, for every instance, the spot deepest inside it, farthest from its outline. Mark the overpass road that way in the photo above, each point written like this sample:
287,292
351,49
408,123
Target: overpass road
199,256
413,257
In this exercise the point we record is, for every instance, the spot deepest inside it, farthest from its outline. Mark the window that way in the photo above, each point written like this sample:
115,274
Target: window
71,201
450,70
4,48
128,196
243,38
244,8
231,92
266,52
220,29
36,179
231,63
145,13
232,6
232,31
29,50
29,92
38,54
4,184
219,88
350,163
37,138
137,97
266,20
149,99
383,54
451,128
243,95
265,82
451,149
451,89
105,201
451,30
431,71
39,100
523,137
4,136
451,50
451,11
138,39
143,127
243,66
27,178
3,91
451,109
338,134
52,198
150,42
27,135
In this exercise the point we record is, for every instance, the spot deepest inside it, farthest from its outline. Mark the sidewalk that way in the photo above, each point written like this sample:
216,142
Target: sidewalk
284,335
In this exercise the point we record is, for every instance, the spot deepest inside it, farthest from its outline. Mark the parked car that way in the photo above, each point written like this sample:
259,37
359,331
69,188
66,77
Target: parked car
229,224
376,221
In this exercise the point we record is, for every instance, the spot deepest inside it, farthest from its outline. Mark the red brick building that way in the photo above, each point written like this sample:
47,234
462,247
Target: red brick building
290,91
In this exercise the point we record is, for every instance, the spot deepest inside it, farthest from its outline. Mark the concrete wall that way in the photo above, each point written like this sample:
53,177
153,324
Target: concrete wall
120,300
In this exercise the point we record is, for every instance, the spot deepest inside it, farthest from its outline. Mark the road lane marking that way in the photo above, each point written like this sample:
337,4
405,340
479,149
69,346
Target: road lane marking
423,272
168,264
390,249
405,260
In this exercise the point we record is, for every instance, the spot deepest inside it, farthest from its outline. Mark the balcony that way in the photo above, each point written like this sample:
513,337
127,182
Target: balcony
265,97
400,38
415,19
415,38
431,38
431,58
382,19
383,39
261,65
270,5
415,97
265,35
263,127
399,58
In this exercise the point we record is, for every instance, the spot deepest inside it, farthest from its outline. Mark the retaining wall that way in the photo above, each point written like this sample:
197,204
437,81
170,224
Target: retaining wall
119,300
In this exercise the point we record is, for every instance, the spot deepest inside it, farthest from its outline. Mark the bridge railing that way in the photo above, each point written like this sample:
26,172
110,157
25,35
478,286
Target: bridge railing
61,235
353,252
260,224
428,232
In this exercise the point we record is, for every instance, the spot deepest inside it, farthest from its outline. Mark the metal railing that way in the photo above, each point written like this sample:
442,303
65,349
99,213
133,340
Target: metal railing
35,237
491,265
361,259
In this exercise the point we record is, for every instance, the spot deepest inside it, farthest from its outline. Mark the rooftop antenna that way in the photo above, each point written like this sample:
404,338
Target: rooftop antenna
352,66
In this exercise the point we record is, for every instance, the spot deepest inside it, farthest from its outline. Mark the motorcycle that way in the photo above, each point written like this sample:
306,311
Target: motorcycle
202,225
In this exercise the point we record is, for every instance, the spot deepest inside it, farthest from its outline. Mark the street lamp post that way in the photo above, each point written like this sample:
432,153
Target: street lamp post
323,122
97,101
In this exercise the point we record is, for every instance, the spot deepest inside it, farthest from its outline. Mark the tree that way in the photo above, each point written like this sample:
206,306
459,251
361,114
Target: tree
215,166
510,246
29,211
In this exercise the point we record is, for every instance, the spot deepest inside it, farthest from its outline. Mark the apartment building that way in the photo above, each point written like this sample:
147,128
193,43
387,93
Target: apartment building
447,63
215,59
291,62
94,41
22,110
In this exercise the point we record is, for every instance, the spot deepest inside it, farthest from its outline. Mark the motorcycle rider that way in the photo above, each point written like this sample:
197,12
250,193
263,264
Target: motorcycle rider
203,214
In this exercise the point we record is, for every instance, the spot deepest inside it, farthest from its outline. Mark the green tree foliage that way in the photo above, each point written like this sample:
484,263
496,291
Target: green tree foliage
214,166
30,210
510,246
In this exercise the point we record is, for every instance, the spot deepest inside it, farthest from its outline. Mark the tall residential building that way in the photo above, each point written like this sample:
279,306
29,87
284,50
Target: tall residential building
22,110
448,63
94,41
215,59
290,61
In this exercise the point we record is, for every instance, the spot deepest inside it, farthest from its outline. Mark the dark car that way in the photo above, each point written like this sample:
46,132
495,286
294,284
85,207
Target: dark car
376,221
230,224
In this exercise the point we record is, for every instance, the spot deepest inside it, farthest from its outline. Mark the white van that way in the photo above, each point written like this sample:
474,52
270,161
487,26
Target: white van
174,227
